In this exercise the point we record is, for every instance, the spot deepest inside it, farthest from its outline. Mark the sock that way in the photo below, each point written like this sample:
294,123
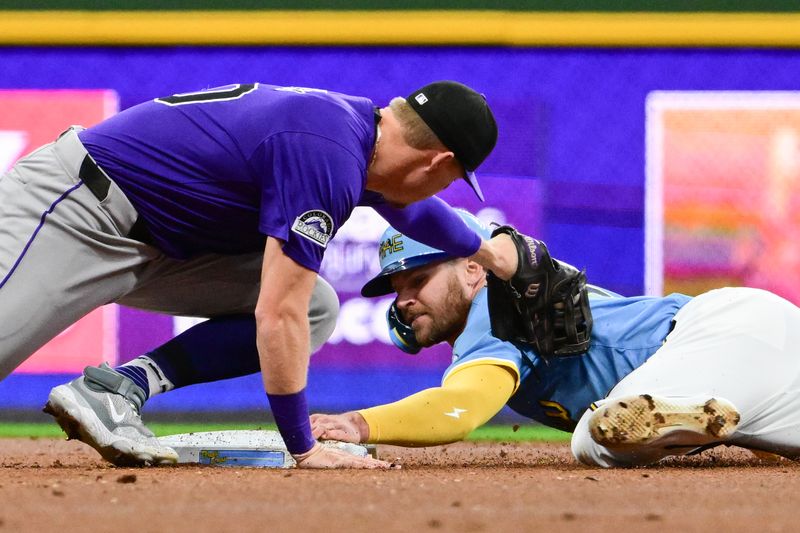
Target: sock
219,348
147,374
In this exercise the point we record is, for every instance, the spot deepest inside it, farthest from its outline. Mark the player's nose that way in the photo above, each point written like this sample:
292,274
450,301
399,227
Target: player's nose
404,303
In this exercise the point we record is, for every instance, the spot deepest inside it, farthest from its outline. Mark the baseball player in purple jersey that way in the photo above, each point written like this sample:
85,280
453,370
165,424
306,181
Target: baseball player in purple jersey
218,203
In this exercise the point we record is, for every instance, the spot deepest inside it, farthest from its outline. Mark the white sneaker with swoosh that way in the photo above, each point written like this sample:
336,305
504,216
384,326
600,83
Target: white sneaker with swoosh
116,416
107,421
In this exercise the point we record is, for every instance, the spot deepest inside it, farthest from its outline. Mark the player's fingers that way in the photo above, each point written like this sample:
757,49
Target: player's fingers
322,423
325,458
340,435
331,431
346,460
322,420
372,463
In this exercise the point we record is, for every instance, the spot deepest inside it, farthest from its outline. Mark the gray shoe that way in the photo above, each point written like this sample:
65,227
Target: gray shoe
101,408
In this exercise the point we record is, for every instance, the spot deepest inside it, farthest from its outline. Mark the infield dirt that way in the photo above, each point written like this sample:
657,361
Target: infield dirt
54,485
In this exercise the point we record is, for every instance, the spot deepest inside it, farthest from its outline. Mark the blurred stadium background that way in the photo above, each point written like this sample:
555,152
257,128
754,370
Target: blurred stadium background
655,143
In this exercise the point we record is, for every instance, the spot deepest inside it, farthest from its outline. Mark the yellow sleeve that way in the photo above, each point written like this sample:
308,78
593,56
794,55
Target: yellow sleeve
468,398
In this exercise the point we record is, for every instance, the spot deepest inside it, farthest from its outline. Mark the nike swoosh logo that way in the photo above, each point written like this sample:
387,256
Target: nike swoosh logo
115,415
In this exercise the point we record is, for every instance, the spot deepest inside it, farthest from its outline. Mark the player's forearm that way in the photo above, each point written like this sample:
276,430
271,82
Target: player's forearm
498,255
284,363
443,414
433,222
283,350
282,338
282,331
418,421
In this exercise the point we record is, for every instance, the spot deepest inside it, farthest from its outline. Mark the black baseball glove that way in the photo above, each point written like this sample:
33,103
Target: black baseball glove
545,304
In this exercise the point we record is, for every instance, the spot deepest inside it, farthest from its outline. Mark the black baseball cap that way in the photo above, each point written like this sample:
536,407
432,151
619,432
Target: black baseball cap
461,119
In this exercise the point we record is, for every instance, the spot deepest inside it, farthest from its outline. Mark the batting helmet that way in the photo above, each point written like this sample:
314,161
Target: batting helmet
398,253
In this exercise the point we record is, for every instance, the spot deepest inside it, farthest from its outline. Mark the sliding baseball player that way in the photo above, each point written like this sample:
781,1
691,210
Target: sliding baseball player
657,377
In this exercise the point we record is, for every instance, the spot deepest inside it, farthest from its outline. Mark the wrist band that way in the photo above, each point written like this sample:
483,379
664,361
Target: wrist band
291,415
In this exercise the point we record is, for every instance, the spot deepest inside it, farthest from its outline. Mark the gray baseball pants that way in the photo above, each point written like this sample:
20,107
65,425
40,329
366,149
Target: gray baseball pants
65,250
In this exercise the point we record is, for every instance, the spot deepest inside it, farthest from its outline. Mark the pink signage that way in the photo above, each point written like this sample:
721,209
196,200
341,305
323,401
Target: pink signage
31,118
724,191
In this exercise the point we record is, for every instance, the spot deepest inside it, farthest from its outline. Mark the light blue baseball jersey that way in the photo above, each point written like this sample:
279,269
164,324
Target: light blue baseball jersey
557,391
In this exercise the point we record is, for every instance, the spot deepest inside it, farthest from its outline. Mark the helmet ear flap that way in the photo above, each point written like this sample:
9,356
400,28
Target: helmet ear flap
401,333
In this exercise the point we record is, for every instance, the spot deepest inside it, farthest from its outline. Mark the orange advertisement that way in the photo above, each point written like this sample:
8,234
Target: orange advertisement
29,119
723,206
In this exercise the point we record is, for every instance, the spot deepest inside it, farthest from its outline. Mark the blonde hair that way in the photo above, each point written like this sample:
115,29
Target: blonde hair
416,133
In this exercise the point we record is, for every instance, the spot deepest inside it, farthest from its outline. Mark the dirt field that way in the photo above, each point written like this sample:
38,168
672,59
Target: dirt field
54,485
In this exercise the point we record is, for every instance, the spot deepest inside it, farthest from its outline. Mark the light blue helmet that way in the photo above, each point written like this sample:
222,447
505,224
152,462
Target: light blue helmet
397,253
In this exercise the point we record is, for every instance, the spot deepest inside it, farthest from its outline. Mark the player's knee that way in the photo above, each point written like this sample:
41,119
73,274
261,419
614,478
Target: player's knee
322,313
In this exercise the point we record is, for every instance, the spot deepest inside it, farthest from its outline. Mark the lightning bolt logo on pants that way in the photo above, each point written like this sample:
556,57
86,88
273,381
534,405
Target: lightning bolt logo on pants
456,413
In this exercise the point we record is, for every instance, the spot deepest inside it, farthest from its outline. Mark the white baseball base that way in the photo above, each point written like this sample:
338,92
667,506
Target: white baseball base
244,448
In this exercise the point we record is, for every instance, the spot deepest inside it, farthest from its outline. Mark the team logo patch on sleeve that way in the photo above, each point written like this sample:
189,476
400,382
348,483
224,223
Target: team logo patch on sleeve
314,225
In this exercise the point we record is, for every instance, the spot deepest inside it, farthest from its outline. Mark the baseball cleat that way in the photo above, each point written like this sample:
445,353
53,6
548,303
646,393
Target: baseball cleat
663,421
101,408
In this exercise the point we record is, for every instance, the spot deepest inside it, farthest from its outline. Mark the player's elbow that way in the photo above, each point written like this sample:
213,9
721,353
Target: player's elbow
460,435
469,425
456,431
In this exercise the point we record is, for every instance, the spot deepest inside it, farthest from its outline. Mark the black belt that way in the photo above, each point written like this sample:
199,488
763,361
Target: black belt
97,182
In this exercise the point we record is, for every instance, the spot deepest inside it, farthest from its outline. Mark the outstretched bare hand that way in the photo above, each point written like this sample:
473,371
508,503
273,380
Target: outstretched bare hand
346,427
323,457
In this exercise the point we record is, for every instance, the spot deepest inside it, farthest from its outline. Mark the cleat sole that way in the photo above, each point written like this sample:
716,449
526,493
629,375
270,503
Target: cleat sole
652,420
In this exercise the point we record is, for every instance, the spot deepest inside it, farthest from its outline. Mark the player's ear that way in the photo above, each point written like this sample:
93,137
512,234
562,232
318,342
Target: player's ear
440,160
475,273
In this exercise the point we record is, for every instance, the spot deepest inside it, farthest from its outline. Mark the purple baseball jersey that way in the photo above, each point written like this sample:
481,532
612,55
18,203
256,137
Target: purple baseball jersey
217,171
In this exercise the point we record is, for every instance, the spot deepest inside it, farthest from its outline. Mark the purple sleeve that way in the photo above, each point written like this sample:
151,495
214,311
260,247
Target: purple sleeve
431,221
315,188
